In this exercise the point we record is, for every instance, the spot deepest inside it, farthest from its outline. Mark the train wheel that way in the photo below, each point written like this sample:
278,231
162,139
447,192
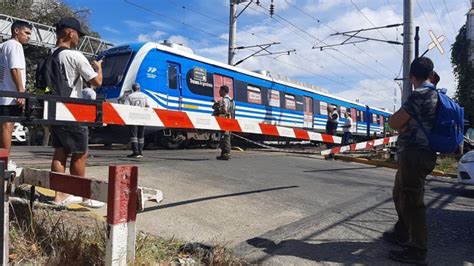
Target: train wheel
173,142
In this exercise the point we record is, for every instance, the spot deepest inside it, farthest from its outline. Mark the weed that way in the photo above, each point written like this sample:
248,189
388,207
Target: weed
59,237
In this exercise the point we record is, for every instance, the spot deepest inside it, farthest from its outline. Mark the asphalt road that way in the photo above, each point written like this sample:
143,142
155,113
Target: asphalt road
277,208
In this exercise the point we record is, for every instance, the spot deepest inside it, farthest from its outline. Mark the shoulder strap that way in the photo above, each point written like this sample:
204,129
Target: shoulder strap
60,49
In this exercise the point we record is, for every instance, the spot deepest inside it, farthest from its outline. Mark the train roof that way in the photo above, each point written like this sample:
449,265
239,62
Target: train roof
187,52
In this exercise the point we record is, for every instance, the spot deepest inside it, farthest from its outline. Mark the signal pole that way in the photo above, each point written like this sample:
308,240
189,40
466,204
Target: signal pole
407,48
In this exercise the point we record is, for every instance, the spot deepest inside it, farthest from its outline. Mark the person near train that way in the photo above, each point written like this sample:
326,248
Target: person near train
346,128
415,161
137,133
224,108
331,126
73,140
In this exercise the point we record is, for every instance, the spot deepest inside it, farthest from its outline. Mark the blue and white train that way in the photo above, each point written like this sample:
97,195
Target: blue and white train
176,79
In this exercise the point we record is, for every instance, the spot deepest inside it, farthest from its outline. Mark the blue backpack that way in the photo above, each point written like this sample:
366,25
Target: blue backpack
448,128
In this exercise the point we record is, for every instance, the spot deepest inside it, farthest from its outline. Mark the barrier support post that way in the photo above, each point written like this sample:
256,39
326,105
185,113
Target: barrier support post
4,216
121,215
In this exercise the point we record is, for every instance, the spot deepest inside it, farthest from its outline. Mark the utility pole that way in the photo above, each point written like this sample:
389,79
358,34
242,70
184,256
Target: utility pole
407,48
232,31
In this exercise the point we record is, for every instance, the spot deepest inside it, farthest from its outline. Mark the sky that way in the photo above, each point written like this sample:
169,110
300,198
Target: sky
364,71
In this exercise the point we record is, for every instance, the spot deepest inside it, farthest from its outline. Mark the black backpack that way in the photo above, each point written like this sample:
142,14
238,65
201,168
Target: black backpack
51,76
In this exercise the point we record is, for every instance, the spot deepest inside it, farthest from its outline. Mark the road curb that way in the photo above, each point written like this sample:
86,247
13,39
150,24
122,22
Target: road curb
387,165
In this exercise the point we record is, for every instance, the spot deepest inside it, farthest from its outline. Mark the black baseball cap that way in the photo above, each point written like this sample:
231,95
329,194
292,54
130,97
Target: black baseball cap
70,22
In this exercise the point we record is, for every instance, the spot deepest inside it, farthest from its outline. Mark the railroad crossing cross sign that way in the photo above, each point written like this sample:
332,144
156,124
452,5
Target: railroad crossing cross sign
436,42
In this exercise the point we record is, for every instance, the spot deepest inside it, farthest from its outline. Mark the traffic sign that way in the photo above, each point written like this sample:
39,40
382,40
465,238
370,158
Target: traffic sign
436,42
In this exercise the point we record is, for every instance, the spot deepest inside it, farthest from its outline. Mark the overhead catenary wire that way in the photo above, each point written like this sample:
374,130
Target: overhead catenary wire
373,25
450,18
332,56
346,55
224,39
331,28
173,19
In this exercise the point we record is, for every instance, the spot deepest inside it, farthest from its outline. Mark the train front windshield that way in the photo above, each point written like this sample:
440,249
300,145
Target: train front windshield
115,62
113,69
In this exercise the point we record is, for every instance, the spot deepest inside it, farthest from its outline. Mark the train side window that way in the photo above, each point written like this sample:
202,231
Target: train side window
290,102
172,77
274,98
374,118
254,94
323,108
316,107
362,116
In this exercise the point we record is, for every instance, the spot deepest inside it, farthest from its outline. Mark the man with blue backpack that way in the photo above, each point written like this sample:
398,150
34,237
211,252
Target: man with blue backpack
428,122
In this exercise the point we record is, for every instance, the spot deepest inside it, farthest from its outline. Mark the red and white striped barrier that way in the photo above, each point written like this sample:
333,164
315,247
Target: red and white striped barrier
120,193
119,114
360,146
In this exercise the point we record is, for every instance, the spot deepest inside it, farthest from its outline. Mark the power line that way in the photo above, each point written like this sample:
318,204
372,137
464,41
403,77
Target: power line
373,25
428,21
218,37
331,28
315,38
332,56
450,18
439,21
174,20
317,74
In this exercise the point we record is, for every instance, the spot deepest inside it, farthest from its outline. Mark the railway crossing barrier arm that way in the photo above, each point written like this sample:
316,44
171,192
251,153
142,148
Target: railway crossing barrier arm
51,110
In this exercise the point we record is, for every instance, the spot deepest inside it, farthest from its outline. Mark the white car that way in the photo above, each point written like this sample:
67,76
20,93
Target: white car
20,133
466,169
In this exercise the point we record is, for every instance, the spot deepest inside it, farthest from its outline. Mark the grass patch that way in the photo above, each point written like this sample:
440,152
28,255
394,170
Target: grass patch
447,164
61,237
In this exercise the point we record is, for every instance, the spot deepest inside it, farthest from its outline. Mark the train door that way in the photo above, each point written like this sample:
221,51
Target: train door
308,112
354,119
174,86
220,80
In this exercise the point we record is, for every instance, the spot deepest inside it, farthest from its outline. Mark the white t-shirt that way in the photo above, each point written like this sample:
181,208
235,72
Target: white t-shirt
348,122
76,66
89,94
137,98
11,56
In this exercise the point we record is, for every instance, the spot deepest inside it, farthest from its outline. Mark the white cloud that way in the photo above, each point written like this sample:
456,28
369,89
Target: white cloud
154,36
179,40
111,29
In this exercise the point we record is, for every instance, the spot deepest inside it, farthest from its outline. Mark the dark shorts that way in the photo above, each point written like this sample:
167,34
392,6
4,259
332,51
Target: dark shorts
73,139
10,110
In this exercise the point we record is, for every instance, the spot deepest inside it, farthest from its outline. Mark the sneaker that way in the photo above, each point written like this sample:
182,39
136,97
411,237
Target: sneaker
133,155
223,157
409,255
71,199
395,237
92,204
139,156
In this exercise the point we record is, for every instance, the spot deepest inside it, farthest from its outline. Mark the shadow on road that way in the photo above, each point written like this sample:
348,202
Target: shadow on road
170,205
355,238
340,169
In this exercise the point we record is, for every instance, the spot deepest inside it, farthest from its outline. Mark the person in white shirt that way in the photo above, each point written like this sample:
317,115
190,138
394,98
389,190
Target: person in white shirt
12,77
346,128
73,139
137,133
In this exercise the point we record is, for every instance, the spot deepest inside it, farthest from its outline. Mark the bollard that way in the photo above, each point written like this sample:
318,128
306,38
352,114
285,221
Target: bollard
121,215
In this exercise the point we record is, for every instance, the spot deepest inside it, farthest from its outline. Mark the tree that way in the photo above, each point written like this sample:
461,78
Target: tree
46,13
464,72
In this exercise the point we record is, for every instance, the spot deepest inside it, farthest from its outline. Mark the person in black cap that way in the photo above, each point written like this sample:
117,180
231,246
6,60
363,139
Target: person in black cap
73,139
